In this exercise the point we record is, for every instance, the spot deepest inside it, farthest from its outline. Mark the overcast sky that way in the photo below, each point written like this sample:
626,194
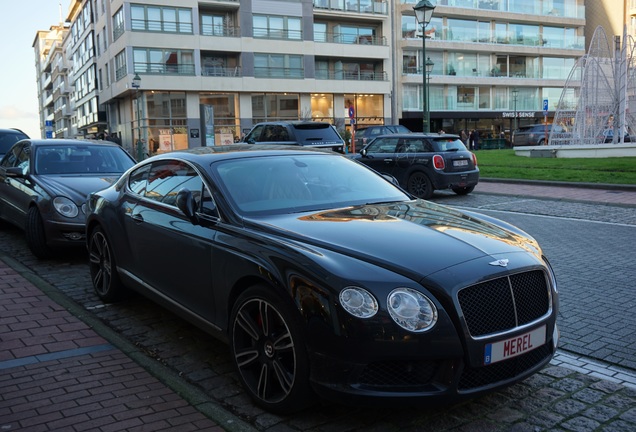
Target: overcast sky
18,86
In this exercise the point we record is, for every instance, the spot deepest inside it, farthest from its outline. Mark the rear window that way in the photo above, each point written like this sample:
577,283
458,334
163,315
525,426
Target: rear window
449,144
316,133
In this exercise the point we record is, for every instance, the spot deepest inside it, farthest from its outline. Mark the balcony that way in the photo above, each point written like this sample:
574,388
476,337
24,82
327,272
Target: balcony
216,71
351,76
357,6
164,69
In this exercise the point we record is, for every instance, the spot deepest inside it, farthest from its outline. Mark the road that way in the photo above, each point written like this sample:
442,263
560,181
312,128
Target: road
589,245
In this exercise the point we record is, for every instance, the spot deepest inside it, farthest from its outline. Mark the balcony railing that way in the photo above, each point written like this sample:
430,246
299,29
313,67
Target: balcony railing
351,76
270,33
358,6
343,38
220,30
274,72
164,69
221,71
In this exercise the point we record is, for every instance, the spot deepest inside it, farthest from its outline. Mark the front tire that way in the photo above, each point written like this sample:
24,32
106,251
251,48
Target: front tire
419,185
269,352
103,268
35,234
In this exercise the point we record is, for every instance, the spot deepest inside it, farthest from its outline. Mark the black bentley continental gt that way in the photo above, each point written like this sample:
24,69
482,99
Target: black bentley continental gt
325,277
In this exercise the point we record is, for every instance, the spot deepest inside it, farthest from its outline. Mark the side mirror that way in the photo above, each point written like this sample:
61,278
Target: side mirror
363,152
14,172
187,204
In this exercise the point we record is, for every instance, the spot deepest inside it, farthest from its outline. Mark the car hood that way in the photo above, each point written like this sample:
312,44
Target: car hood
76,187
414,238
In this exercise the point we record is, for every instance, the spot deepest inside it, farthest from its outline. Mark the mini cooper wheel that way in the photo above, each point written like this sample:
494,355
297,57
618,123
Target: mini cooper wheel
35,235
419,185
463,190
103,268
268,351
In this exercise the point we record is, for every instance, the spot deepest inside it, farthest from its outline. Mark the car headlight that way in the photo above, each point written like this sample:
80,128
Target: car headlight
411,310
358,302
65,207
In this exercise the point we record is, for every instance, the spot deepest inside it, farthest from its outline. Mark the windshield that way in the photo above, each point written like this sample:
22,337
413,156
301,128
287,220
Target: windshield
296,183
81,159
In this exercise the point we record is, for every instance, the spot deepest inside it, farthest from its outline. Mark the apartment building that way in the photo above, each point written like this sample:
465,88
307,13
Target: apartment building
53,90
612,15
177,74
495,62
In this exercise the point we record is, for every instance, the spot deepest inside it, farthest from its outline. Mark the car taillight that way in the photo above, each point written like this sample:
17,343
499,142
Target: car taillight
438,162
474,158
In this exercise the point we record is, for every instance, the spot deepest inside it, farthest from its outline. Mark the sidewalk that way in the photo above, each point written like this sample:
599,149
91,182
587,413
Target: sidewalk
57,373
605,194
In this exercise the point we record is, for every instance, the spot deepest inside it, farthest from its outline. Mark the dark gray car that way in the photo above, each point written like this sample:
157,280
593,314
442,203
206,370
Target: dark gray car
423,163
8,137
302,133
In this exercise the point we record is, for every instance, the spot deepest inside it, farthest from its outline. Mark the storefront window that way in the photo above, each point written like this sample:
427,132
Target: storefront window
167,128
218,117
273,107
322,107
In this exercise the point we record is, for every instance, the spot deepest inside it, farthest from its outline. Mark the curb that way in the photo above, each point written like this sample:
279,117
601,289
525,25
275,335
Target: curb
606,186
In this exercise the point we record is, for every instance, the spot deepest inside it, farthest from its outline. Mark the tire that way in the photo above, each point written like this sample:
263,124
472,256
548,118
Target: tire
463,190
103,268
35,235
419,185
541,142
269,351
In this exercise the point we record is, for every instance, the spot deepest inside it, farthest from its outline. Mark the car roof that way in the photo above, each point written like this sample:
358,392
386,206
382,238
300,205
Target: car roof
235,151
292,122
418,135
12,130
58,141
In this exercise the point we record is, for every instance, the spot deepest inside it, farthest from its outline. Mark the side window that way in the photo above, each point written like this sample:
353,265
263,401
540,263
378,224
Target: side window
138,180
254,135
383,145
12,158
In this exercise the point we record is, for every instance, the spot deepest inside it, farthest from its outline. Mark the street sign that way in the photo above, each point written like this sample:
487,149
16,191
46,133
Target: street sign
351,112
545,106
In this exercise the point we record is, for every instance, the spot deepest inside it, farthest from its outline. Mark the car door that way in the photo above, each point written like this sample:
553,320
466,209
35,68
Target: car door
381,154
174,256
412,154
16,193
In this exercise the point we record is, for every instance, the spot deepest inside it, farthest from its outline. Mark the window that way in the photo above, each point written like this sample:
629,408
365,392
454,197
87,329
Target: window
120,65
163,61
215,25
118,24
161,19
278,66
277,27
167,178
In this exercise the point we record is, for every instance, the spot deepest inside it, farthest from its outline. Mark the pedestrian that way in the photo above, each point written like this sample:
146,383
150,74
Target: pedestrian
442,131
476,140
464,136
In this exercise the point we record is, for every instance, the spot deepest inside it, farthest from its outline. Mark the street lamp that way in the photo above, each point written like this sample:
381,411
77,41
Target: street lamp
429,68
136,84
423,14
515,93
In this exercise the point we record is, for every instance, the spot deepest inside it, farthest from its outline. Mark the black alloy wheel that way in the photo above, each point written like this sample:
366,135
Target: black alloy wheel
35,234
419,185
103,268
268,351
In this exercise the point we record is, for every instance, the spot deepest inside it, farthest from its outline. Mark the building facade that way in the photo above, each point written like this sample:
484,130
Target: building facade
174,74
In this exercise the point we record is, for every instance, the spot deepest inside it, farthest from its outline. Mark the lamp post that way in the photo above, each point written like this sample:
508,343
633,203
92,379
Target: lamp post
515,93
136,83
423,14
429,68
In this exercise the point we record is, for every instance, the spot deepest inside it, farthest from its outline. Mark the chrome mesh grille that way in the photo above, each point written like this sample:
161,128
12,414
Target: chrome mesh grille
502,304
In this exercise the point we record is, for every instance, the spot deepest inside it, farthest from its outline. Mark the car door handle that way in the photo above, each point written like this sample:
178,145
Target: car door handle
137,217
388,160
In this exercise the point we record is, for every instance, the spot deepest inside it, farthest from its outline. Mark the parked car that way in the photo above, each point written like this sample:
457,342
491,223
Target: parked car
366,134
302,133
8,137
423,163
44,185
325,277
533,135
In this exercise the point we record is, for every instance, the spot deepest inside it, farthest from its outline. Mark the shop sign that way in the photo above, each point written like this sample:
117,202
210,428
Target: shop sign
519,114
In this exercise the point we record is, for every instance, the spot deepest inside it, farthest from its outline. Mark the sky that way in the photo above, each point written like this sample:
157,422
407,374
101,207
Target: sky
18,85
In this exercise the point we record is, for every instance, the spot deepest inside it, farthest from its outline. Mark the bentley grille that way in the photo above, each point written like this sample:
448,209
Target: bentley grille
503,304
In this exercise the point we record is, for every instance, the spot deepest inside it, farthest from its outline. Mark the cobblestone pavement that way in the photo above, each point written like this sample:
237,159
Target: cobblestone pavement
572,394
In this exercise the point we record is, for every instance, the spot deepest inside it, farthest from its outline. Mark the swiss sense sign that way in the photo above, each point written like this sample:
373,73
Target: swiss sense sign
519,114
